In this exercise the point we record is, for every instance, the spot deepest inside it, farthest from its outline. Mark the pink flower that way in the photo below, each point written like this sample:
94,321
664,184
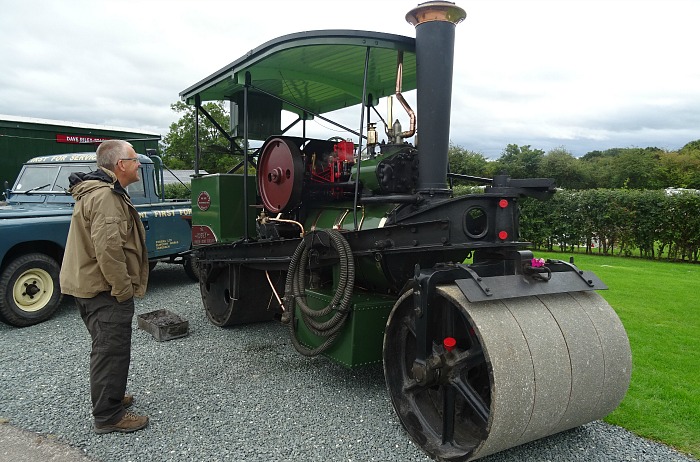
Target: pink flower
537,262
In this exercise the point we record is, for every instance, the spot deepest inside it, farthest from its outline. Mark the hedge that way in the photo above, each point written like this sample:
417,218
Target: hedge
648,223
177,191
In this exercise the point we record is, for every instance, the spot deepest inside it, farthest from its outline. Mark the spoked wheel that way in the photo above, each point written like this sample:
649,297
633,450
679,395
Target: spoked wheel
445,409
497,374
235,295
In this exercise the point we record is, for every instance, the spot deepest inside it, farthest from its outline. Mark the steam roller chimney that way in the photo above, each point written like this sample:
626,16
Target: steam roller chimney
435,24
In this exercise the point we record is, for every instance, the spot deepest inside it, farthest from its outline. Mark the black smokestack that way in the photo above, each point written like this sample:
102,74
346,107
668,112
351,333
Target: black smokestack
435,39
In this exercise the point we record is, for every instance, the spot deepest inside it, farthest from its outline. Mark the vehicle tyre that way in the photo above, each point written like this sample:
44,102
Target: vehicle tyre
191,269
29,290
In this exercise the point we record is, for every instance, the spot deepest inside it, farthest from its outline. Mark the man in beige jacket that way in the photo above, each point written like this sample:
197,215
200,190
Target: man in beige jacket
104,266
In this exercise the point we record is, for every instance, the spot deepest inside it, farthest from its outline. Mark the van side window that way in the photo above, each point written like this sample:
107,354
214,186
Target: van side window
137,189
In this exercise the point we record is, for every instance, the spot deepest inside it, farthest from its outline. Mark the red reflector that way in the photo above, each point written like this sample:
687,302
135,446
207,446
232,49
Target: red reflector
449,343
503,235
503,203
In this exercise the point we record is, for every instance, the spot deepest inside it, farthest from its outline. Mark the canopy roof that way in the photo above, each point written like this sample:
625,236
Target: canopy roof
320,71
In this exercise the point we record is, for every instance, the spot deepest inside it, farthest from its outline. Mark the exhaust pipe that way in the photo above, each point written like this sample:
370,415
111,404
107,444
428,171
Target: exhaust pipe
435,24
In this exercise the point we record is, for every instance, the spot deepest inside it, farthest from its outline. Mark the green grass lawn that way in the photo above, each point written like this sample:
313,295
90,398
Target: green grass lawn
658,303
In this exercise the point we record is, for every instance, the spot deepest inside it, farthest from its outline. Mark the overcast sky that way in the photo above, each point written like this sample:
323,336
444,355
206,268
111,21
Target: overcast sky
583,75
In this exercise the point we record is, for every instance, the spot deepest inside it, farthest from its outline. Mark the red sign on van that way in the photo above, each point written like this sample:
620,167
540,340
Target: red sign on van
78,139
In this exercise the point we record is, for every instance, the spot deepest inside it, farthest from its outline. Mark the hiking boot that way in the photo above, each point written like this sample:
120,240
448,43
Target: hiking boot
129,423
127,401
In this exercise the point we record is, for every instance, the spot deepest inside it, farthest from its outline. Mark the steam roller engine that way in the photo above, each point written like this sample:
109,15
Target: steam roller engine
360,247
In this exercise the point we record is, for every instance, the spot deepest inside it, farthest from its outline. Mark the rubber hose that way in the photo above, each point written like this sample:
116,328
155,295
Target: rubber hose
338,298
298,292
341,298
295,288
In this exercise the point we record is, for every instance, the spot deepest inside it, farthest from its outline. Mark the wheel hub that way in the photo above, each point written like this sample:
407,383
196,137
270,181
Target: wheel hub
439,365
32,290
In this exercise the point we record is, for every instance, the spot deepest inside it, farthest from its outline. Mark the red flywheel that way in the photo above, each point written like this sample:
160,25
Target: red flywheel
280,175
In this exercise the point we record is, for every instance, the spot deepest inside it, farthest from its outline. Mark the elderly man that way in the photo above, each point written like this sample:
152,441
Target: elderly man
105,265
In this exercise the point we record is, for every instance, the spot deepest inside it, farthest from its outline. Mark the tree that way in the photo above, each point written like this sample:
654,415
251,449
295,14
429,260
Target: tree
520,161
682,169
692,149
567,171
634,168
638,168
592,155
597,167
466,162
179,143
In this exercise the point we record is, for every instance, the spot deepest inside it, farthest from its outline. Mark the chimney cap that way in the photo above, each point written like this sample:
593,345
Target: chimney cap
436,11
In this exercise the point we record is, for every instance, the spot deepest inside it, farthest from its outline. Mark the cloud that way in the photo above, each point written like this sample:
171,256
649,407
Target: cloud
580,74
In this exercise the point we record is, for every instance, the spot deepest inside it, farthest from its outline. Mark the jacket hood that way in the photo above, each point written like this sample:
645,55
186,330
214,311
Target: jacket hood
84,183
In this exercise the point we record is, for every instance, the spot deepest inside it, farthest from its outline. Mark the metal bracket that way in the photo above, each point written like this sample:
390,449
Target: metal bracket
425,283
573,268
561,279
478,280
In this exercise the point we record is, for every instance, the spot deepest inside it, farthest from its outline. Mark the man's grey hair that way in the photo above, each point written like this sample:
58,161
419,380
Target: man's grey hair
110,151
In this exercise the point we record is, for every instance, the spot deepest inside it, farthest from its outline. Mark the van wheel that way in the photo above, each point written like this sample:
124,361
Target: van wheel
191,269
29,290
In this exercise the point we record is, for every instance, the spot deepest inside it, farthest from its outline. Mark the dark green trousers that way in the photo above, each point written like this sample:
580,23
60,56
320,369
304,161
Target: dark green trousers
109,324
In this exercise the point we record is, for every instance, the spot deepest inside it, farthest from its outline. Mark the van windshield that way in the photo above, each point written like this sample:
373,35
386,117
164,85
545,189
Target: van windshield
55,179
36,178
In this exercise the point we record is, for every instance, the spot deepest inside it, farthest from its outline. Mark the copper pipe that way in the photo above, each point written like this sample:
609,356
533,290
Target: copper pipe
274,291
282,220
399,83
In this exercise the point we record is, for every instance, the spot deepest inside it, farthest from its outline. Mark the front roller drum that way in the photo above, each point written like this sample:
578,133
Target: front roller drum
520,369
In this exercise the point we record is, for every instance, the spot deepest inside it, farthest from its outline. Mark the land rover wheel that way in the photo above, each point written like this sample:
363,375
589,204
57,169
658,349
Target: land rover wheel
191,269
29,290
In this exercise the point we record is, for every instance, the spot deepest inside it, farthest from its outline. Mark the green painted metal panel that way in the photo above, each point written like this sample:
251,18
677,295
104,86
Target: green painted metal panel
361,339
368,173
217,206
339,216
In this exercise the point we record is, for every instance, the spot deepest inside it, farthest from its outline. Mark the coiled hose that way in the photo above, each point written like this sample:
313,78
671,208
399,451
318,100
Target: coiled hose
295,293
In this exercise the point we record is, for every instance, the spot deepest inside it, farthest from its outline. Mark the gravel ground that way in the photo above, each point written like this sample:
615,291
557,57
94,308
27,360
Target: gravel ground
240,394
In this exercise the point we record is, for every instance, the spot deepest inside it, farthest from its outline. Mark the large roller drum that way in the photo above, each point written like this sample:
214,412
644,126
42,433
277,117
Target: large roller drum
520,369
234,295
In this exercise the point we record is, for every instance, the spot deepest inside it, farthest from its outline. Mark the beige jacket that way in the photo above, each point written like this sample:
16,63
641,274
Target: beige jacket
106,249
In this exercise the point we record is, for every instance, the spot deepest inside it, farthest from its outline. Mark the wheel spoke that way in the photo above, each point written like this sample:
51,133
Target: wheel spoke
473,399
468,359
412,386
448,321
448,414
410,325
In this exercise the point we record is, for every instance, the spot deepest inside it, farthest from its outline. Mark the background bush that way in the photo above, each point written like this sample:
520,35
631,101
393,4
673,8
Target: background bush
649,223
177,191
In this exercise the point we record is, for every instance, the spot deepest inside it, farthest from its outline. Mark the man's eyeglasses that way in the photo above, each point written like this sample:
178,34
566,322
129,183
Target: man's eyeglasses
130,158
